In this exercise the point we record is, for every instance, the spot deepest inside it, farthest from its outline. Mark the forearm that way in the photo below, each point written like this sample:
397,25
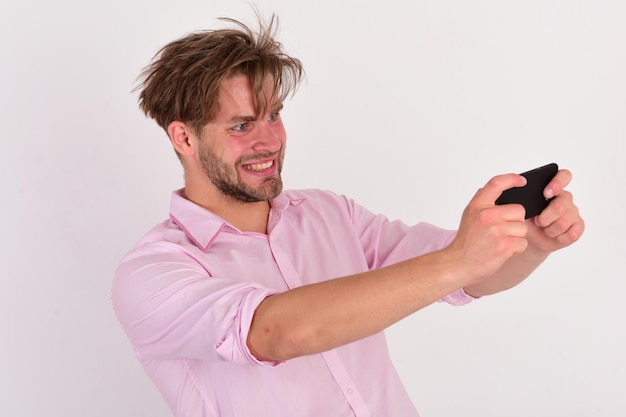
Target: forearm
319,317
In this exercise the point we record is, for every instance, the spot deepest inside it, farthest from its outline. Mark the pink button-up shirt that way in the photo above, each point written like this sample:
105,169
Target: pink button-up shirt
186,294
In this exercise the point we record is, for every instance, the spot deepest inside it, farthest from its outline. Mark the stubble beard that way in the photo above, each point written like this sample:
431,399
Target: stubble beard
227,180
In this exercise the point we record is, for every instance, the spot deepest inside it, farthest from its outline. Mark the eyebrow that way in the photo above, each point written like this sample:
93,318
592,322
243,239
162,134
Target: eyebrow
247,118
240,119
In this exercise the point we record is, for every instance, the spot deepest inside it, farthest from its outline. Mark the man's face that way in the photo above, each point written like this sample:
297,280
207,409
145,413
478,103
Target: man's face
242,154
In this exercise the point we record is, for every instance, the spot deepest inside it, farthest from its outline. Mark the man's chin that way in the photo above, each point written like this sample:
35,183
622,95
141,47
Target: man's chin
270,193
267,191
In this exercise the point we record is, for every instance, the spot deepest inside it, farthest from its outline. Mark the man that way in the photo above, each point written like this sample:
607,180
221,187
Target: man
254,301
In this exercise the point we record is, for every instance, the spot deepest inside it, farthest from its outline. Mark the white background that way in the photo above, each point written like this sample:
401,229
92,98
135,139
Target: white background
408,107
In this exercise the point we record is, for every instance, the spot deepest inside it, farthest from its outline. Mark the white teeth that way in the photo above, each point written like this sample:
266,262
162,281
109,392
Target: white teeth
259,167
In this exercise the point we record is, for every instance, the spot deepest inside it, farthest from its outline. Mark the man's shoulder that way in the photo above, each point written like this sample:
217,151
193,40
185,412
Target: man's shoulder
162,233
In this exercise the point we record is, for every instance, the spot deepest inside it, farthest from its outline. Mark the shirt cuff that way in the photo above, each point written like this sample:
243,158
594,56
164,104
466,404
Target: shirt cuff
234,348
458,298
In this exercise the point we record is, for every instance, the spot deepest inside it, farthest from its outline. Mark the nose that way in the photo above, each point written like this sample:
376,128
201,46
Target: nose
269,137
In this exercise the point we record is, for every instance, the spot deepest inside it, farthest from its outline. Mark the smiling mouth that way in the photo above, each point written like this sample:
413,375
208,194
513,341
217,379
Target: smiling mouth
259,167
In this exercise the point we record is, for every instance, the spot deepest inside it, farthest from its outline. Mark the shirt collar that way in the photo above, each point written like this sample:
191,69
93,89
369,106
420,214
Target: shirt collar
202,226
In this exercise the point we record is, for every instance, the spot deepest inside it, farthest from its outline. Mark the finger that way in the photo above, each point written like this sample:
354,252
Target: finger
509,212
556,209
507,220
566,233
573,233
498,184
517,229
556,185
562,224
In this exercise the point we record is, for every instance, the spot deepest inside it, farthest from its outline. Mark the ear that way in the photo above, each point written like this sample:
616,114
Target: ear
181,137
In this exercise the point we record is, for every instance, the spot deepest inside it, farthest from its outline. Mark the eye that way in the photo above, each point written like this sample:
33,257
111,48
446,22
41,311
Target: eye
241,127
273,117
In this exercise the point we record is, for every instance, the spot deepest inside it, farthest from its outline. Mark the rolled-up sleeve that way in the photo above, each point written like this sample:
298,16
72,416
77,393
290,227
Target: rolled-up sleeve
171,307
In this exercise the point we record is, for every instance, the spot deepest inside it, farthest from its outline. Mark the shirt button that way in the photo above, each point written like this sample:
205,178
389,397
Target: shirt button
350,391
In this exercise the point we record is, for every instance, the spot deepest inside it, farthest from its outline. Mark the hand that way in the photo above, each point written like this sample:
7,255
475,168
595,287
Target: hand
560,224
489,235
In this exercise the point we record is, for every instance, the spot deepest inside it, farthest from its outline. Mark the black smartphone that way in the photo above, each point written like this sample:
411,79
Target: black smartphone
531,195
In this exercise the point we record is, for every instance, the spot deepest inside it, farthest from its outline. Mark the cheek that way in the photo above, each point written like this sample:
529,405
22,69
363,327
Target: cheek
234,148
280,133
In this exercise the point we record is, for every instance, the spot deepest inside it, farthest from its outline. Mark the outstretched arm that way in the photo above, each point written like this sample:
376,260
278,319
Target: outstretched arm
492,241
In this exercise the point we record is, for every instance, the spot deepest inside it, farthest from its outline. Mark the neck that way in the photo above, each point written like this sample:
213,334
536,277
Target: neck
247,217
